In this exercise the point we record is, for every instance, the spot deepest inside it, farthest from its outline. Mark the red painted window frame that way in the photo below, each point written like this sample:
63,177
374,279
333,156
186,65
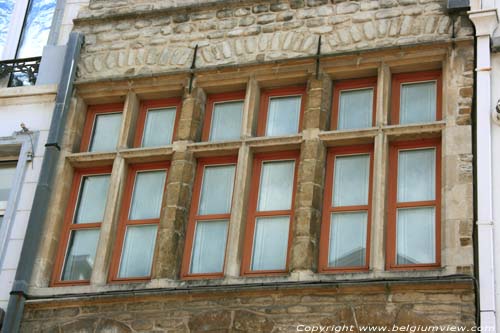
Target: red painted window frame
92,112
69,226
124,221
393,205
267,94
194,217
328,209
209,109
145,106
340,86
415,77
253,214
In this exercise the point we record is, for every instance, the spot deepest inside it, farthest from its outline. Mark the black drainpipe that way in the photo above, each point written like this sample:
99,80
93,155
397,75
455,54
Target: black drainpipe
34,232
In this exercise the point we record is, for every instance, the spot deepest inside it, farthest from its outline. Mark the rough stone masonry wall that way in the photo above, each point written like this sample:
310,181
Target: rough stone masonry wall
261,311
146,37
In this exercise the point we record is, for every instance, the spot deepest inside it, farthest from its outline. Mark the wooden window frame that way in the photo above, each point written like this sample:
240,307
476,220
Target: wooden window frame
124,221
92,112
415,77
328,209
267,94
393,205
145,106
69,226
209,109
353,84
194,217
259,159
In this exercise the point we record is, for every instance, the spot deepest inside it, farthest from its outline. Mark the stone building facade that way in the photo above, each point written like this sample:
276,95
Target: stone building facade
186,55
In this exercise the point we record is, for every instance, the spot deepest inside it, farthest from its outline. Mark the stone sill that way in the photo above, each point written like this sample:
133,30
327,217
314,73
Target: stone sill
46,89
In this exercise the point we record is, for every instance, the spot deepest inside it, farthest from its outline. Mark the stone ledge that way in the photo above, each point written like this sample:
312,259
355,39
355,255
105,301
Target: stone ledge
90,159
145,155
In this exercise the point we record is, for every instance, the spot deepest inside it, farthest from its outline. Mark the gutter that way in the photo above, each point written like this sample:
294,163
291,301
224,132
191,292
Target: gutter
36,223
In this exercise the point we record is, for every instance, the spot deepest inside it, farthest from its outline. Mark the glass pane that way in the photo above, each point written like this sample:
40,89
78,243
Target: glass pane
270,243
417,175
6,8
217,189
81,253
209,247
138,250
351,179
283,116
106,131
7,174
416,239
147,195
418,102
92,199
158,127
226,121
276,185
355,109
347,239
36,28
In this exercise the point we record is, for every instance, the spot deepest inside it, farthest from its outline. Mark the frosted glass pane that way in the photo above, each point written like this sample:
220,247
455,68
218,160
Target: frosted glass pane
270,243
418,102
276,185
7,174
106,132
36,28
92,199
158,127
355,109
81,253
283,115
138,250
351,179
347,239
416,239
148,194
417,175
209,247
226,121
217,189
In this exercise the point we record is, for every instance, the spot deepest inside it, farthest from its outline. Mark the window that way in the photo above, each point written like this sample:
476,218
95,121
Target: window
416,97
157,122
345,230
223,117
7,175
82,223
209,218
270,213
281,111
102,128
414,204
354,104
139,220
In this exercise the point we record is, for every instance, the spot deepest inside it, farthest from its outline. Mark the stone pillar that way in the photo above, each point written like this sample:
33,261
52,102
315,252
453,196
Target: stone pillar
191,117
251,109
319,98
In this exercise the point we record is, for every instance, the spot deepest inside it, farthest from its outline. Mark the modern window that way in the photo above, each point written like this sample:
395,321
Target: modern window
209,218
414,204
82,223
223,117
345,229
7,175
141,207
354,104
281,111
416,97
270,213
102,128
157,122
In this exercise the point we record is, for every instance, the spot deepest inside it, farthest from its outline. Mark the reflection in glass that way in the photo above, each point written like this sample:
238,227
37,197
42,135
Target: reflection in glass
347,239
276,185
283,115
415,236
105,132
7,174
209,246
226,121
92,199
158,127
6,9
81,253
138,250
355,109
270,243
36,28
